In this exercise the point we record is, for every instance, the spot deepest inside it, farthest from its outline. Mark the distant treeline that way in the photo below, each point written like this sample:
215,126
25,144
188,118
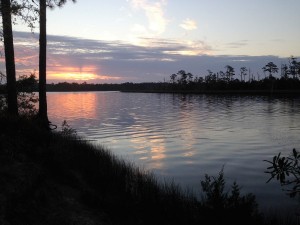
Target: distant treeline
199,85
64,86
213,82
228,81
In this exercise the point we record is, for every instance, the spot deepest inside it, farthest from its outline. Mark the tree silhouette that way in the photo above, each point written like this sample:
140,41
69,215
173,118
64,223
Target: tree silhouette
42,64
183,77
284,71
21,9
211,77
271,68
6,11
43,115
243,71
294,67
229,72
173,78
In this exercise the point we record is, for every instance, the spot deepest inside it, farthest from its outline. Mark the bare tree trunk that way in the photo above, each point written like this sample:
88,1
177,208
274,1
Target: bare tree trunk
42,65
9,58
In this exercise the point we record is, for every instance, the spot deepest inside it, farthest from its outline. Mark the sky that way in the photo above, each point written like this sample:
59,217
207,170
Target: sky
120,41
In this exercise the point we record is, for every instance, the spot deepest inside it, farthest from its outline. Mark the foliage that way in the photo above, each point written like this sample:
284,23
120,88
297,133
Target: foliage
52,3
2,103
28,11
69,181
271,68
294,67
26,103
50,178
214,82
287,171
182,78
25,11
67,130
228,207
229,72
2,91
27,99
222,202
243,71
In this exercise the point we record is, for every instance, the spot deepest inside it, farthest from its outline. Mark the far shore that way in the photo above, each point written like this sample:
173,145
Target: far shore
221,92
208,92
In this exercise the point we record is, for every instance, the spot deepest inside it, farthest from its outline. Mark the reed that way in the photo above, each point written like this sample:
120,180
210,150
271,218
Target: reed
58,178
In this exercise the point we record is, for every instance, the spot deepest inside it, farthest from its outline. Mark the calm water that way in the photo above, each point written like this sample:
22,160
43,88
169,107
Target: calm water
182,137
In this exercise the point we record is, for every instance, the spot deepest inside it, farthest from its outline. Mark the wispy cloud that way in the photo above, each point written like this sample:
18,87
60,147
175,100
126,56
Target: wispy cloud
154,12
238,44
189,24
71,59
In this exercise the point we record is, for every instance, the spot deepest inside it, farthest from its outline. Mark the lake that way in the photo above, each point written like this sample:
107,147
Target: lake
183,137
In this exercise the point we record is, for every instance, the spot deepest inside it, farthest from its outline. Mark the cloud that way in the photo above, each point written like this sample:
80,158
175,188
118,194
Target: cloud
154,12
189,24
238,44
76,59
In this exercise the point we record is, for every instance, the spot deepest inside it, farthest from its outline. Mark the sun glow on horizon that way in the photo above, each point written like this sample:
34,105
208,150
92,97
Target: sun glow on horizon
87,73
73,73
77,76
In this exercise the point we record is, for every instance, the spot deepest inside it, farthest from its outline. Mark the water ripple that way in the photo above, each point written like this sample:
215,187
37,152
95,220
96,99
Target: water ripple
186,136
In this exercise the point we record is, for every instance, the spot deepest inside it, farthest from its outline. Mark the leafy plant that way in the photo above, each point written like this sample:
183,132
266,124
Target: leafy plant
26,97
287,171
228,207
67,130
2,91
216,197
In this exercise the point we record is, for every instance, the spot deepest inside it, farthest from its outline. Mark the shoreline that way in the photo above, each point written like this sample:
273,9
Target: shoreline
207,92
221,92
58,178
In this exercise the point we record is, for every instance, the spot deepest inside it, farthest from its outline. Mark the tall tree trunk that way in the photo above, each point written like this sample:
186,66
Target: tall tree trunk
9,58
42,65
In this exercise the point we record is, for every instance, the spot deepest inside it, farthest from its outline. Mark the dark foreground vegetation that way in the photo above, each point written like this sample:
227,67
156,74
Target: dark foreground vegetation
50,178
54,177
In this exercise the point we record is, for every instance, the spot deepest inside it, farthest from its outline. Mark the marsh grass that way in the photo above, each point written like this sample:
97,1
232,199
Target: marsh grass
118,187
59,165
59,178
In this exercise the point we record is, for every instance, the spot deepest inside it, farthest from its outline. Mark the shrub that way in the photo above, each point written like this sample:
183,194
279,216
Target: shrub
228,207
287,171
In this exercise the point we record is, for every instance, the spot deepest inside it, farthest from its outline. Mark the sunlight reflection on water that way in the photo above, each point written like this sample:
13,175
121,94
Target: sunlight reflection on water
182,137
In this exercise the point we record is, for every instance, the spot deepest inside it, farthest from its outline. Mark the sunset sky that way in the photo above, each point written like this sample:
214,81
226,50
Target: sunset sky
147,40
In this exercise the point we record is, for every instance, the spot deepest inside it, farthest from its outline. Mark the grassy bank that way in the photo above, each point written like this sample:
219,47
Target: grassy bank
56,178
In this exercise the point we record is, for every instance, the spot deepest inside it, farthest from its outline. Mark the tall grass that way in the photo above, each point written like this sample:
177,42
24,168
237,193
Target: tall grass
104,182
118,187
59,178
